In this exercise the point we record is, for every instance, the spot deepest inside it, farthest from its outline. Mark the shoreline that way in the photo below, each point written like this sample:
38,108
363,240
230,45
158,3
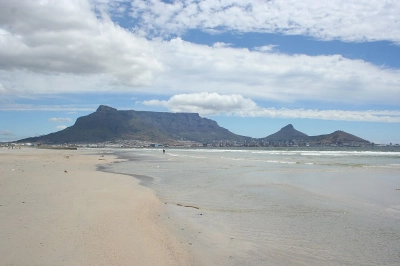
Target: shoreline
181,219
121,157
57,209
240,212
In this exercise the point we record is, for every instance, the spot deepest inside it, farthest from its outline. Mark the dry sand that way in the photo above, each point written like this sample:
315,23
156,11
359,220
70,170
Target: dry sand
56,209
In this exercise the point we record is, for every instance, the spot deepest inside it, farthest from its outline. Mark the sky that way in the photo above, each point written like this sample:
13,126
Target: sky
253,66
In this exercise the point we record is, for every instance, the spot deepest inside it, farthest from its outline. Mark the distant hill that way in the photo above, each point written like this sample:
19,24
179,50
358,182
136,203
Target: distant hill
287,133
338,137
110,124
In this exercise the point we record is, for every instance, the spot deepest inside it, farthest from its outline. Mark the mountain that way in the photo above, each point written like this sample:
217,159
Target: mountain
287,133
337,137
110,124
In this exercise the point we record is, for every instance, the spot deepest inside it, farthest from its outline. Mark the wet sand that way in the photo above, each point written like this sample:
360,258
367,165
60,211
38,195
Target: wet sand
266,208
56,209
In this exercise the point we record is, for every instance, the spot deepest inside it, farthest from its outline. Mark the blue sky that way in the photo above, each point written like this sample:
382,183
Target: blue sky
253,66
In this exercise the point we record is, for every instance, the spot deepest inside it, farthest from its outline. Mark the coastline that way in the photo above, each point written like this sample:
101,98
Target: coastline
276,207
56,209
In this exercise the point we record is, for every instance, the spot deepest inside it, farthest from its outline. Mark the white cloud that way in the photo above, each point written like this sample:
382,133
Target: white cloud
348,20
2,89
272,76
6,133
61,127
206,103
236,105
265,48
66,37
60,119
221,45
189,68
53,47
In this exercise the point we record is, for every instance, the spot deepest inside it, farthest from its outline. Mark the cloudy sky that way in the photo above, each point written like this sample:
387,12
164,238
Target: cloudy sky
254,66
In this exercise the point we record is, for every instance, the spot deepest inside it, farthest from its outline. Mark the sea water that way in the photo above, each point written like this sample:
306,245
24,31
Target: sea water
277,206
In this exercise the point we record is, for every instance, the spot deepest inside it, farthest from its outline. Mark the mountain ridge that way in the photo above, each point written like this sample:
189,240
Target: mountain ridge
110,124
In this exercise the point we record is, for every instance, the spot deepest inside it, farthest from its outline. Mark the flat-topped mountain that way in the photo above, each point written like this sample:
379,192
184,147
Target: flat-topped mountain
287,133
110,124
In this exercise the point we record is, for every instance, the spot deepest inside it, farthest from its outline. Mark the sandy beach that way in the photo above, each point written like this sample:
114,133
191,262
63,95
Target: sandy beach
56,209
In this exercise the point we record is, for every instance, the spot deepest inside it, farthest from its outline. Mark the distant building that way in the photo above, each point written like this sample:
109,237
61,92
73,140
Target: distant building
155,145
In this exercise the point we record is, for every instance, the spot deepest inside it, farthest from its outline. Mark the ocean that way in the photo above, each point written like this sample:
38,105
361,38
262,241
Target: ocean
277,206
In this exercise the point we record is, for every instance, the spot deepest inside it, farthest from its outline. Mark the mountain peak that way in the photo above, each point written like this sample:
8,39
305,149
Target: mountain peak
290,126
105,108
287,133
